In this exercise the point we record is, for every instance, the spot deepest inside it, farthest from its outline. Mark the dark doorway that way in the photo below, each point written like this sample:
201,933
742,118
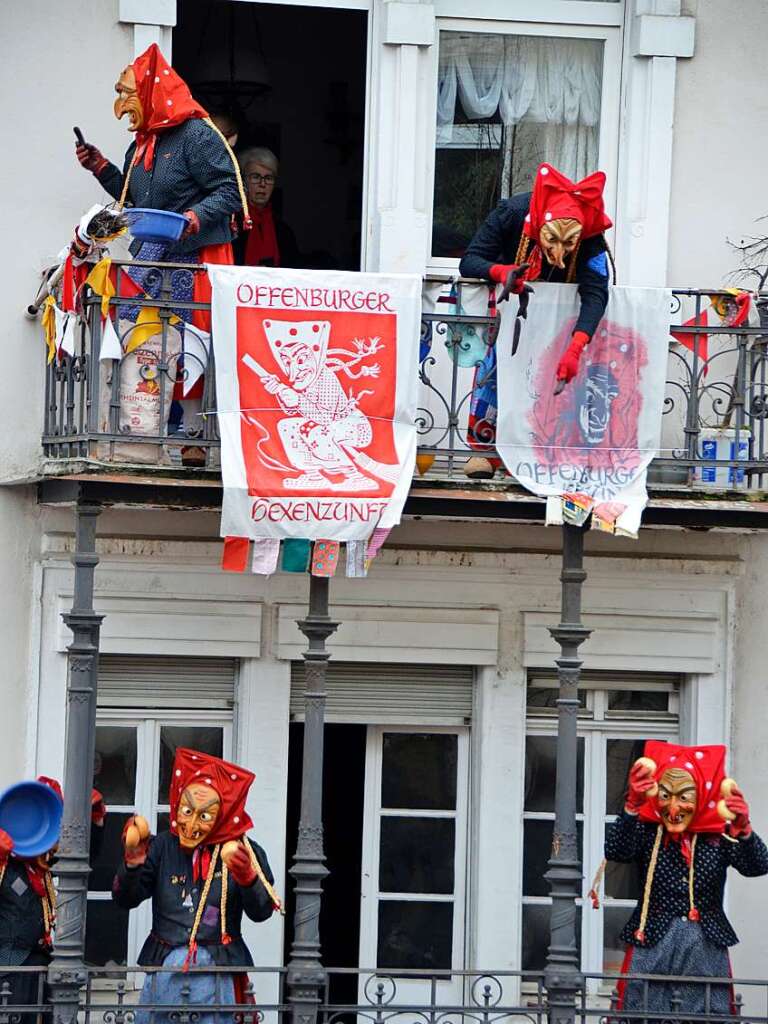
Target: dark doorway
293,79
343,797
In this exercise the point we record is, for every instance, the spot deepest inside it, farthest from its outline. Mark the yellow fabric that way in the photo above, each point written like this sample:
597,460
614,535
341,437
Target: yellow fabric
100,282
49,326
148,323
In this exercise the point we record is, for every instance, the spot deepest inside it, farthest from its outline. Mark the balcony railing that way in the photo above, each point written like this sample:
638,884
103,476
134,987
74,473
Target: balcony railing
111,995
128,411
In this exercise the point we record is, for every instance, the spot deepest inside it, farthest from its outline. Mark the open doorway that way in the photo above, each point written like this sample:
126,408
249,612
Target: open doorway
343,803
292,79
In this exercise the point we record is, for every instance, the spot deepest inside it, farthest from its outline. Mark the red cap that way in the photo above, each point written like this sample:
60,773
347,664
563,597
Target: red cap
706,765
555,197
231,782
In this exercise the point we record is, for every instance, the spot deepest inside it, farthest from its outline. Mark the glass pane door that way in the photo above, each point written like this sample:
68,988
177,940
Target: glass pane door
414,853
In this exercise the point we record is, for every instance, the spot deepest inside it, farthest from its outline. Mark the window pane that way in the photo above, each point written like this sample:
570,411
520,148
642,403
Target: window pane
415,934
545,697
105,865
163,822
537,849
540,764
106,933
115,763
417,854
614,919
419,771
536,936
499,116
638,700
619,758
208,739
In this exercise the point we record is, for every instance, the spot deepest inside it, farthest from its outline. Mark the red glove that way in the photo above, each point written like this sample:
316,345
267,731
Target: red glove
98,808
193,224
6,846
568,366
91,159
499,273
736,804
640,781
241,869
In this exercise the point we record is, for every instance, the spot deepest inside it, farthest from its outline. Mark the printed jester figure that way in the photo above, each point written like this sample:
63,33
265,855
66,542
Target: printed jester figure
553,233
684,824
201,876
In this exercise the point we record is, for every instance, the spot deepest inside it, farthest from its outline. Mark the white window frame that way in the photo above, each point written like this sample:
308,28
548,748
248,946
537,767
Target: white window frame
373,813
148,723
610,103
596,727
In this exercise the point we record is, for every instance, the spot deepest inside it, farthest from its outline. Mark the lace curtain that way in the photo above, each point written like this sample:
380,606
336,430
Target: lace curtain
545,93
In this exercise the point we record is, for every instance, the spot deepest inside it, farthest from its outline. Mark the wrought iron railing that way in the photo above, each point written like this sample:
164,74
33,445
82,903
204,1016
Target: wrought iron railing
134,410
113,995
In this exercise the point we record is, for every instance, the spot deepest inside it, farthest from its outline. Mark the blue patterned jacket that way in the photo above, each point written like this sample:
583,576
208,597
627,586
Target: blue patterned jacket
191,171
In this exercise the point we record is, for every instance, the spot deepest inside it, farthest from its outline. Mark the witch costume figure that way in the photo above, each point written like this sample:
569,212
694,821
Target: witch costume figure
182,163
554,233
684,824
201,876
28,906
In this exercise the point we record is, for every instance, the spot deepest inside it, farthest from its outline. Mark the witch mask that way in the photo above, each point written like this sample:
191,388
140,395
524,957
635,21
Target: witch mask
676,799
559,239
128,101
196,815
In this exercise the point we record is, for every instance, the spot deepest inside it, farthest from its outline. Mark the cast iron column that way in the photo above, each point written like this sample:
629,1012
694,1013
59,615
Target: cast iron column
305,976
67,971
562,975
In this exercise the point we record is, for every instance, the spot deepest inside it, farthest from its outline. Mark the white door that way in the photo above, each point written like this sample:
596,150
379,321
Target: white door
414,861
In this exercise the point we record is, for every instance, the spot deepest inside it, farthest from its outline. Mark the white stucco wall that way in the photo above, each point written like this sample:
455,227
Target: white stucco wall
720,143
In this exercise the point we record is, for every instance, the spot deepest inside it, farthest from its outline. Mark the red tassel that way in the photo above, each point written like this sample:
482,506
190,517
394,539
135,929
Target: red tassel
190,958
693,914
640,936
226,938
592,894
247,223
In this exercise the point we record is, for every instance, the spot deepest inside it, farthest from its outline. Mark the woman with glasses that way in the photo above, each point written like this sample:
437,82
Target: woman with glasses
270,242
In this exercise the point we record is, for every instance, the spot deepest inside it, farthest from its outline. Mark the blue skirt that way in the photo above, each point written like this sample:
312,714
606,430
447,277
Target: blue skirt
174,988
684,951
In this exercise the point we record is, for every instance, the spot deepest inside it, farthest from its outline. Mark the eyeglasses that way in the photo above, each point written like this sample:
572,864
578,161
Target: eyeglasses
258,179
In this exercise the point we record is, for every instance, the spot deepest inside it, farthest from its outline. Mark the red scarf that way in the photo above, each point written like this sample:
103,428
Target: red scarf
261,247
165,100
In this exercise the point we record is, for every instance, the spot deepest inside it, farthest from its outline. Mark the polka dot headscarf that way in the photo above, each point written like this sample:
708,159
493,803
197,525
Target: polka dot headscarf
231,782
706,764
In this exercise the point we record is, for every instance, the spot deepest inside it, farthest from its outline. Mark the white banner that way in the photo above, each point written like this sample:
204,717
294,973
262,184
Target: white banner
589,447
316,389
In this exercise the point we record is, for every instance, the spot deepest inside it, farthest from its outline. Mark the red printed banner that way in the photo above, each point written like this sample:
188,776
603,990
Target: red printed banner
316,377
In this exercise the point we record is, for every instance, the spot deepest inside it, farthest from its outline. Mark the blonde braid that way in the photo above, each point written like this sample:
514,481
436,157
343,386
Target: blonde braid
225,937
522,249
236,165
594,892
640,931
571,275
124,193
192,950
276,901
693,914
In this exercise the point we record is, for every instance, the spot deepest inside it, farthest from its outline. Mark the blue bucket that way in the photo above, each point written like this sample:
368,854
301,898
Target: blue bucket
30,812
155,225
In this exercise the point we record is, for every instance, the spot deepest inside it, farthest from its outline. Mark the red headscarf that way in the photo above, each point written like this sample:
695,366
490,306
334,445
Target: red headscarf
231,782
556,197
706,765
165,100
